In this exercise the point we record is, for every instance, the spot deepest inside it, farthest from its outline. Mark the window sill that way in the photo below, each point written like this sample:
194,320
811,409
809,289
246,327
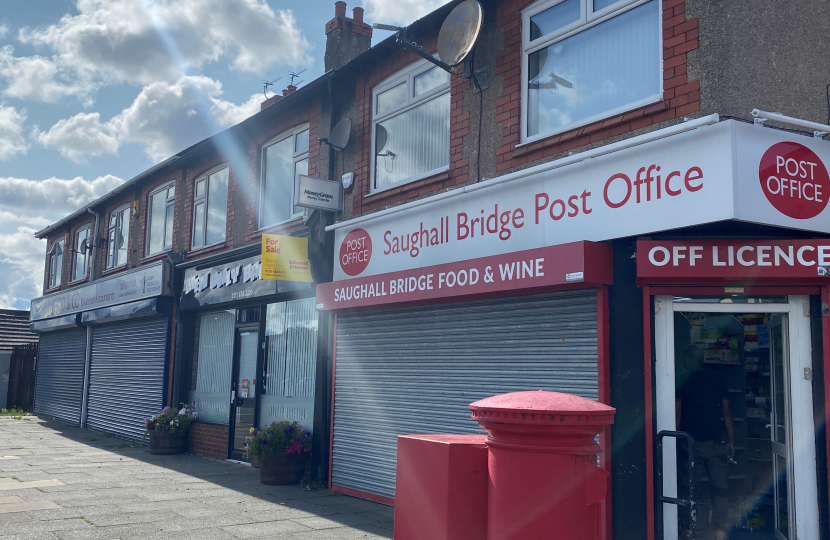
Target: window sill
289,221
410,183
79,281
56,288
208,250
650,106
114,270
154,257
409,187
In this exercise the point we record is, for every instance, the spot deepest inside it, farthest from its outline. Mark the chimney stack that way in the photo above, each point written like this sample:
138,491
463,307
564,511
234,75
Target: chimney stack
346,38
290,90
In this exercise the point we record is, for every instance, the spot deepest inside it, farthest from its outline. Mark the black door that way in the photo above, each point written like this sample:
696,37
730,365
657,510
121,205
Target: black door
243,388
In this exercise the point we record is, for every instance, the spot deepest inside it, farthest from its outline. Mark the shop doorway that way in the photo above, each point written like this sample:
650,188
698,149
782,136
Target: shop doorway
734,373
243,388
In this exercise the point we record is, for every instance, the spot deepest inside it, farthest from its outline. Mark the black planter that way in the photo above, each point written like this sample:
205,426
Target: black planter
166,444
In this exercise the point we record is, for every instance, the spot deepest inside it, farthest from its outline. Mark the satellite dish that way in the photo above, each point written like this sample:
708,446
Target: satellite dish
339,136
459,32
381,138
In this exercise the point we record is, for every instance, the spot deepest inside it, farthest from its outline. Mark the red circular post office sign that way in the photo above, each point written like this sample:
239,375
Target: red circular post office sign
355,252
794,180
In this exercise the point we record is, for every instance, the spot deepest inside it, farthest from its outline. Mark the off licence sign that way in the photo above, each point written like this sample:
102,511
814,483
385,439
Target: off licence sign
804,261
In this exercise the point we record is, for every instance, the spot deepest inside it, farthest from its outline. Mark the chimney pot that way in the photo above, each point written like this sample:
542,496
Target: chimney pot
357,14
340,9
290,90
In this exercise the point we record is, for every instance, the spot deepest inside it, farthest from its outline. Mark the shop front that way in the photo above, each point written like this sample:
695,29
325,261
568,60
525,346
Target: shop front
253,345
104,351
509,285
744,320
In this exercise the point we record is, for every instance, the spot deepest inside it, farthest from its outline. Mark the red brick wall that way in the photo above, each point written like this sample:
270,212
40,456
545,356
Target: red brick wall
208,440
459,127
680,97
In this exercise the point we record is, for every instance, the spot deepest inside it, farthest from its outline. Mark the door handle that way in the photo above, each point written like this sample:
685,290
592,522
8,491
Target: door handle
233,396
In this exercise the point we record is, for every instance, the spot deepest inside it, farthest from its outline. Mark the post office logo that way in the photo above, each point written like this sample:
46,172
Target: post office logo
355,252
794,180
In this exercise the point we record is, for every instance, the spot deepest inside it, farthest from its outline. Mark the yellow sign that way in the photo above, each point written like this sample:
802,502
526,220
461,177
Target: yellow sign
285,258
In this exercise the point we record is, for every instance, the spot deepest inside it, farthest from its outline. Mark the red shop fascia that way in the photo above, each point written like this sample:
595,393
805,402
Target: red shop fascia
426,294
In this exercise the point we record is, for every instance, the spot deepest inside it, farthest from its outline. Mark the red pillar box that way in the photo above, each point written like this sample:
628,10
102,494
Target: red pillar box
441,487
544,479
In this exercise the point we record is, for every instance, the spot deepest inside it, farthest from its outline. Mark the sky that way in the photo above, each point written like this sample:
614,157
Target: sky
93,92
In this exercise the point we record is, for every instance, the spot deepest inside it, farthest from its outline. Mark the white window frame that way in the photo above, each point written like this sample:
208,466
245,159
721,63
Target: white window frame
296,156
206,199
169,201
77,252
56,273
112,250
588,19
407,76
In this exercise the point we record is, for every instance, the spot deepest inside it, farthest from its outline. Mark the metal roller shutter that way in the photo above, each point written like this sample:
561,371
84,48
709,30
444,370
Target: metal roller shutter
59,381
416,370
126,376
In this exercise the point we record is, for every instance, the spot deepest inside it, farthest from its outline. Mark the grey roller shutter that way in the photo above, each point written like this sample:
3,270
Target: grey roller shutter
59,381
126,376
416,370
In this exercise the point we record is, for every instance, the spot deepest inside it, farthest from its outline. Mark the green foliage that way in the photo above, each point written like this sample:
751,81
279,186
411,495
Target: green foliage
171,420
288,437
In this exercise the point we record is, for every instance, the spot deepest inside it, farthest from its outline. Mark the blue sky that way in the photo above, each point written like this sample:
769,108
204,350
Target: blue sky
92,92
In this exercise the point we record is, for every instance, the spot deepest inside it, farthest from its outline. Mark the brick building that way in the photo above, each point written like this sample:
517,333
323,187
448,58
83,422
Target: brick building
606,175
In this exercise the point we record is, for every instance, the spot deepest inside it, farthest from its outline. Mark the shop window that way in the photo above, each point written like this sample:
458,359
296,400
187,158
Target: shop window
83,247
211,386
210,208
290,363
411,126
284,159
55,255
585,60
118,237
160,219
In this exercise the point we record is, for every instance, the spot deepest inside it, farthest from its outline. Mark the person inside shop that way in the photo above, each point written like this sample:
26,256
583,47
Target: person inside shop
702,411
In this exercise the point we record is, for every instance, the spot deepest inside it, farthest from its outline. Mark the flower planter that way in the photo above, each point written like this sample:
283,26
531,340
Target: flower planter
281,469
165,444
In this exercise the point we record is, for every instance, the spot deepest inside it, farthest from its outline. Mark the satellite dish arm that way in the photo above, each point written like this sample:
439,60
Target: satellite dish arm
400,39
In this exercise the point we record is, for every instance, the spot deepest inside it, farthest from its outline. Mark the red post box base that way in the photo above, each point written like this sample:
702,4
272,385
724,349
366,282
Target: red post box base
441,487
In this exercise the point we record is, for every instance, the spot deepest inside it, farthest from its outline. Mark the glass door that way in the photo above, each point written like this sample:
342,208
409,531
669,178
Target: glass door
243,390
780,428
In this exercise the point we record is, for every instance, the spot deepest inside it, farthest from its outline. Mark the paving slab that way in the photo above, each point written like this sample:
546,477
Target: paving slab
72,484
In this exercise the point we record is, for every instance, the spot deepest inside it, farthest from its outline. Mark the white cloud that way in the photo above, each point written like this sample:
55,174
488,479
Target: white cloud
52,198
79,136
4,31
400,11
145,41
164,118
25,207
12,141
38,77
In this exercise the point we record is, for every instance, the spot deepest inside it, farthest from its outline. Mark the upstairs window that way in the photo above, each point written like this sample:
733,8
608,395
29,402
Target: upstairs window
118,237
410,126
55,256
585,60
80,262
284,159
160,219
210,208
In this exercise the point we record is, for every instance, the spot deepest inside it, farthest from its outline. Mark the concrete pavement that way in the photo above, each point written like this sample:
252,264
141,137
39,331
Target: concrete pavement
59,482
